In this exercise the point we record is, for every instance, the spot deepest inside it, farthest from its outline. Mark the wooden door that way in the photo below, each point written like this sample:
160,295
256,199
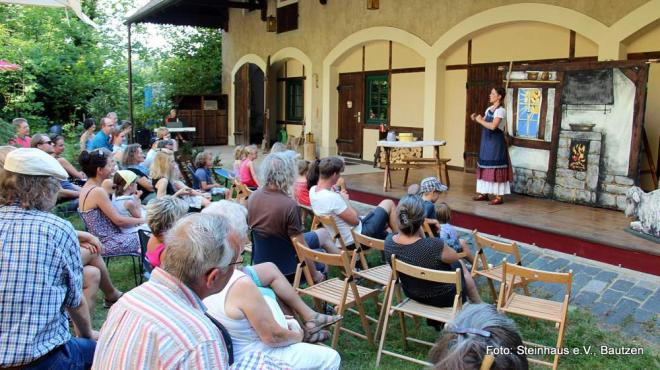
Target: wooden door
268,81
481,78
350,114
242,106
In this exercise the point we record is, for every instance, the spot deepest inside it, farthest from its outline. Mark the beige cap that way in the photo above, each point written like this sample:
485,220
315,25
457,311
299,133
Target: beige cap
34,162
128,176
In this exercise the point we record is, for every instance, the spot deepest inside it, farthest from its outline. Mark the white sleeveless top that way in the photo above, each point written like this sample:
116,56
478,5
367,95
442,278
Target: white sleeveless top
120,205
243,335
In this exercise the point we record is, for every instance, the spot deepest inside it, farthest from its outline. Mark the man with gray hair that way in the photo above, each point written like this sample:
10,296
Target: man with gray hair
102,138
273,214
162,324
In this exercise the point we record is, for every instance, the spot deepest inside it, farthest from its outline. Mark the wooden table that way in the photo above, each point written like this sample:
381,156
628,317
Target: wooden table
387,148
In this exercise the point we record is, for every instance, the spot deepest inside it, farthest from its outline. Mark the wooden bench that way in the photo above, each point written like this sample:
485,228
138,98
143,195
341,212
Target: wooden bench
414,162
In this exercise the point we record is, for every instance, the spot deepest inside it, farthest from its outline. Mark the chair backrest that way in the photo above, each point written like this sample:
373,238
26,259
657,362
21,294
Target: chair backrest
185,163
427,230
510,271
487,362
482,242
275,249
329,223
307,211
340,260
436,276
144,236
362,241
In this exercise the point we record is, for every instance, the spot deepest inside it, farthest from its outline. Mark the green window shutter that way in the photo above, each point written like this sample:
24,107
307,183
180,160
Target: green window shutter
294,100
377,101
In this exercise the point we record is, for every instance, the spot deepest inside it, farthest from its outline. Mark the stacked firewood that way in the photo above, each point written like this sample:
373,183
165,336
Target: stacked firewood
397,155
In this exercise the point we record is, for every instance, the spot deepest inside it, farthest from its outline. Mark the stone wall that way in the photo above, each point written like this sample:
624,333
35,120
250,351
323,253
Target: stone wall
531,182
612,192
573,185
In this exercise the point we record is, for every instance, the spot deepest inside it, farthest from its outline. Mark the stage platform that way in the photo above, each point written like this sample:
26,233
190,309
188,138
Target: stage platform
588,232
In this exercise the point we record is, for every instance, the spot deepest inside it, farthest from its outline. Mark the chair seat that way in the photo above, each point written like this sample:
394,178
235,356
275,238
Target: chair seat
415,308
331,291
379,274
495,273
534,307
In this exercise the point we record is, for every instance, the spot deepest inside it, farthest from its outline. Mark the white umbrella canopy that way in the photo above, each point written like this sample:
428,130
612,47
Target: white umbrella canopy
71,4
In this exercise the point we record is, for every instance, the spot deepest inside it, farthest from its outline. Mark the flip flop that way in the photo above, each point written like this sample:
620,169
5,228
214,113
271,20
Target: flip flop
319,336
320,322
108,304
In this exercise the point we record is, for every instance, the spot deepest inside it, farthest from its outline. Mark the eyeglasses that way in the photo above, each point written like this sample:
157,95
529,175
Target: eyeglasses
239,262
46,142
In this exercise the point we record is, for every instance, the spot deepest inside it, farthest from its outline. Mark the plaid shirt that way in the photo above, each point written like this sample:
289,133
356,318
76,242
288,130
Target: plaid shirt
161,325
40,275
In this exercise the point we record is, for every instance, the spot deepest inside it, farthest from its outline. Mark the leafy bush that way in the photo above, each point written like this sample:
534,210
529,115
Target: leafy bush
6,131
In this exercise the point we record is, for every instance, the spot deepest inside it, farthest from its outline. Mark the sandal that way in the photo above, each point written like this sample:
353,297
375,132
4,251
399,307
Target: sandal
480,197
108,304
319,322
319,336
496,201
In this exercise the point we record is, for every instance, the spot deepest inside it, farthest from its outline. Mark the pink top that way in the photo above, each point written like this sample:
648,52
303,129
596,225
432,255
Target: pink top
245,175
154,256
22,142
301,193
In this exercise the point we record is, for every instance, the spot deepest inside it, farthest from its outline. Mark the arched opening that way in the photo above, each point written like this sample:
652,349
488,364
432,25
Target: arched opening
288,91
248,105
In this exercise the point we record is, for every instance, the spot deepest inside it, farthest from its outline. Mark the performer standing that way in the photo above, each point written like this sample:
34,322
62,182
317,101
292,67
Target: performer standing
494,171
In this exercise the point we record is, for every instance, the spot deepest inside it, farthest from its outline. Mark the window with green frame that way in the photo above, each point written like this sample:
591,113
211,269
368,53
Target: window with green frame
294,100
377,102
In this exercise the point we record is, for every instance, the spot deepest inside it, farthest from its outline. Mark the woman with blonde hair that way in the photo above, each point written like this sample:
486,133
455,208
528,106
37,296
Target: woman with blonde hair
165,181
247,173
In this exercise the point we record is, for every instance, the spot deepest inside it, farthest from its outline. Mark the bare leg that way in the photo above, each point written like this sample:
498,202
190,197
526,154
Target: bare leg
389,207
325,240
271,276
91,279
94,260
470,285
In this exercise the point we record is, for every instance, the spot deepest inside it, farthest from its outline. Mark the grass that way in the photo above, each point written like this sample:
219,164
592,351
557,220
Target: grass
582,331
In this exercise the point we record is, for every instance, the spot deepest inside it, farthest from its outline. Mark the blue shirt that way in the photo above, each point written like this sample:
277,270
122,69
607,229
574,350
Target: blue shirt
40,275
100,140
429,209
202,175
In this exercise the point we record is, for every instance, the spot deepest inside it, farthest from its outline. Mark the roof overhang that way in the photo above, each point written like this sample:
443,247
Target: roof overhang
196,13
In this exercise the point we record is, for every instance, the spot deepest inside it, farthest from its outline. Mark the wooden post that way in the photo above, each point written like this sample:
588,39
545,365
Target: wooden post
130,81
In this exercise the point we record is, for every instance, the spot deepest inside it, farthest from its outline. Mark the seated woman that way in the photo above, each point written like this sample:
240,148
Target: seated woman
327,200
58,149
465,340
96,209
300,189
162,213
251,314
133,160
409,246
126,199
203,179
246,172
117,139
164,180
89,127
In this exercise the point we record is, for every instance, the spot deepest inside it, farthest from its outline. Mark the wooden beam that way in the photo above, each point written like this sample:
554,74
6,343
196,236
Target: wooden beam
638,120
645,55
571,45
533,144
556,126
469,52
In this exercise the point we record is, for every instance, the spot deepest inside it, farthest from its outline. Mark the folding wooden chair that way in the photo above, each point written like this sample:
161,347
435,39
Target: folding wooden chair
342,293
416,309
492,273
487,362
329,223
537,308
308,212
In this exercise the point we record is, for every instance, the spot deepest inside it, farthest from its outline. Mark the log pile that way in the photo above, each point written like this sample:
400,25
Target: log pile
397,155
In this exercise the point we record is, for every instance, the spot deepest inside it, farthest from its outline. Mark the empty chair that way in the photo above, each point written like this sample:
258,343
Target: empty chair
492,273
537,308
411,307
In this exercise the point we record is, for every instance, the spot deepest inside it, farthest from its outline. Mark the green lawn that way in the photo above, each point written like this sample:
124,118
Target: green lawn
582,330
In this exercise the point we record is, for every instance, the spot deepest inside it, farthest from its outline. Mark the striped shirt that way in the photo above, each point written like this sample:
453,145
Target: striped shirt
161,325
40,275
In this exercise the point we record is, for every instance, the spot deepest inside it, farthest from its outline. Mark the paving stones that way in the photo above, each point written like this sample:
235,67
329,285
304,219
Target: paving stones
611,297
607,276
622,285
622,312
653,303
585,299
595,286
639,293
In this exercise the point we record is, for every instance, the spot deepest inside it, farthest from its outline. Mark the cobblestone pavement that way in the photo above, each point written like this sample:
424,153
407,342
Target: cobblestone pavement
623,299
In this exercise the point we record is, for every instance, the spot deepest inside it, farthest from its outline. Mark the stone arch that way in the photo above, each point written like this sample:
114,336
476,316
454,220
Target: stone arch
247,58
636,20
330,77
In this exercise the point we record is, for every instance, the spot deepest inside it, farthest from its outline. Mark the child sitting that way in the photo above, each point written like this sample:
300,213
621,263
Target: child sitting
447,231
300,190
239,156
247,173
202,178
430,189
126,199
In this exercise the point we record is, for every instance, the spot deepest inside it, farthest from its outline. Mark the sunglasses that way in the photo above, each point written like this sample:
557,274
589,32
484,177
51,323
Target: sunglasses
45,142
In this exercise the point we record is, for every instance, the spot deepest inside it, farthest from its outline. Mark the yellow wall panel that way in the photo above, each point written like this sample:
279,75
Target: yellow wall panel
377,56
404,57
369,139
407,99
520,41
453,118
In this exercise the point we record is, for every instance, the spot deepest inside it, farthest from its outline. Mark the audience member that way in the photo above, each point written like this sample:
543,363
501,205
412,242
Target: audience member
113,117
41,277
326,202
117,139
203,179
246,172
89,127
410,247
97,211
163,133
278,147
430,189
300,189
58,149
126,200
133,160
162,213
166,182
473,333
239,156
102,137
165,316
22,138
151,153
272,211
447,231
68,191
126,128
249,309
